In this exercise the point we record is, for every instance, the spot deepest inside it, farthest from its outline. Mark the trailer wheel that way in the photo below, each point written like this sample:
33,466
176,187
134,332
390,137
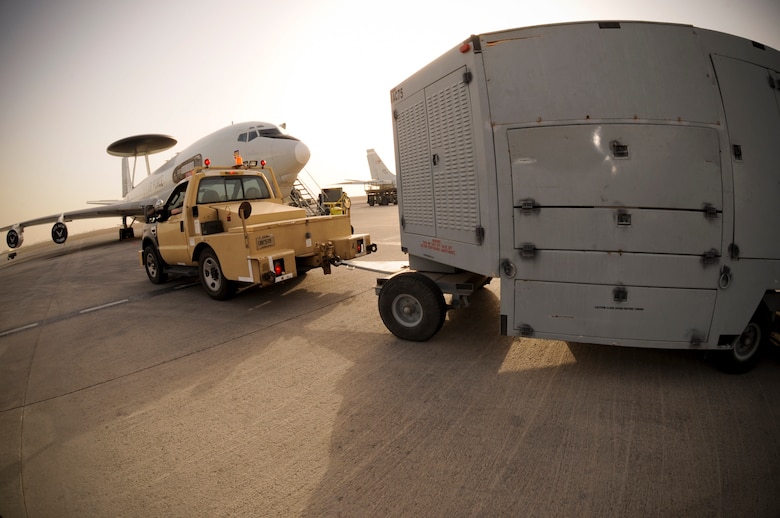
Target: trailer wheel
154,266
412,306
748,347
211,277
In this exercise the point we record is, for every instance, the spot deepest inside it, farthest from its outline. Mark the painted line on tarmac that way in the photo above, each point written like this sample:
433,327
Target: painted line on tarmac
104,306
19,329
86,311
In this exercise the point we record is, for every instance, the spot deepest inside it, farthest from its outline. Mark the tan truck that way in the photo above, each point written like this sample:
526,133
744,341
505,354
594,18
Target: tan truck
231,225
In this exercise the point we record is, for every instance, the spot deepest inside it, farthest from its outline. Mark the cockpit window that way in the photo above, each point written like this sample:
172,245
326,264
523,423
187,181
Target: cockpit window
272,132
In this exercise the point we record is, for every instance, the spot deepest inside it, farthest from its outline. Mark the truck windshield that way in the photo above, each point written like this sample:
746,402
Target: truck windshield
232,188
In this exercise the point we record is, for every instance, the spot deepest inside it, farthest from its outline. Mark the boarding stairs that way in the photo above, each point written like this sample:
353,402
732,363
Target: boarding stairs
301,196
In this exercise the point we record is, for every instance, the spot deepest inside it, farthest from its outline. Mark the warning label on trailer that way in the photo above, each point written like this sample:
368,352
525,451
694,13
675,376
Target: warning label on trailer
435,245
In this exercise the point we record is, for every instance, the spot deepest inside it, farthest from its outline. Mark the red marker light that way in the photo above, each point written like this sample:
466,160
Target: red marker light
465,47
262,163
207,162
278,267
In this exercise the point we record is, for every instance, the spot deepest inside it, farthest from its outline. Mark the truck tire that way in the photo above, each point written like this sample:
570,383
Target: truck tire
748,347
412,306
154,266
211,277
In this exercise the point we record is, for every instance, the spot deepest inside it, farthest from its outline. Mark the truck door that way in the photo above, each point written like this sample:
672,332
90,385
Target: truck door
171,236
751,100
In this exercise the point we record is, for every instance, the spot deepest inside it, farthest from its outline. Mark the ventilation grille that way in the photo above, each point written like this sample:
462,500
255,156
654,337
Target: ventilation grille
454,180
414,166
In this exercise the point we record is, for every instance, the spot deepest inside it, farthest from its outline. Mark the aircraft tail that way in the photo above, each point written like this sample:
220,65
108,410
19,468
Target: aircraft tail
127,181
379,170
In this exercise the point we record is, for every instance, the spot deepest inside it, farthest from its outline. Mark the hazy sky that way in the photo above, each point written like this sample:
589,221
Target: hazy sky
80,74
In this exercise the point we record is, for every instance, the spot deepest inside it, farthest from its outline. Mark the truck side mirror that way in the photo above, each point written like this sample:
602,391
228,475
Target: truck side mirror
245,210
150,213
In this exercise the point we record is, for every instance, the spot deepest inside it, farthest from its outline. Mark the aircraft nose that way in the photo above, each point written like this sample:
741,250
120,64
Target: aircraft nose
302,153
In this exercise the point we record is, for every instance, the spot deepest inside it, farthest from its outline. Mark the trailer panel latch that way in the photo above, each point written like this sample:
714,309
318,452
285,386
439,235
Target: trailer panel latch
710,212
619,150
526,330
527,250
734,251
710,257
527,206
737,150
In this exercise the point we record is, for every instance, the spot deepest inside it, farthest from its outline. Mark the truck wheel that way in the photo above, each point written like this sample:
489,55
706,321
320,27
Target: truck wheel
215,284
154,266
748,347
371,201
412,307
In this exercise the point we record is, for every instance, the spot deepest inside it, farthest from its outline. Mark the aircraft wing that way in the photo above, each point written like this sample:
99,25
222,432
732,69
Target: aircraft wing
121,208
104,202
350,181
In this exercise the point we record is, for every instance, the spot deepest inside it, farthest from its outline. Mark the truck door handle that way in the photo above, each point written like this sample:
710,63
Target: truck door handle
181,226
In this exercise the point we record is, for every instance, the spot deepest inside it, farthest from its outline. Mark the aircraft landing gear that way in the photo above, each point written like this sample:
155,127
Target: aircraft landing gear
126,232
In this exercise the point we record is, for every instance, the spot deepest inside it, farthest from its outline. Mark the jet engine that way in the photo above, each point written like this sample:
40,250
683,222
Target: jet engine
15,237
59,232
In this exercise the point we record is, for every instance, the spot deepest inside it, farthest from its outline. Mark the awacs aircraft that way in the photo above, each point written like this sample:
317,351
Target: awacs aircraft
253,141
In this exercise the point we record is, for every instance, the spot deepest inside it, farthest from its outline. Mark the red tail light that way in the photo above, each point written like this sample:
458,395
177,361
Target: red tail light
279,267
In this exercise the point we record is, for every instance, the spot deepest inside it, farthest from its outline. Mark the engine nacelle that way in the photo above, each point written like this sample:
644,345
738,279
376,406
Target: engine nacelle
15,237
59,232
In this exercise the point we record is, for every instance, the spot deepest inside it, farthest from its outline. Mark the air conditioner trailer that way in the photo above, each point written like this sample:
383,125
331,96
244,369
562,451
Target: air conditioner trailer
622,179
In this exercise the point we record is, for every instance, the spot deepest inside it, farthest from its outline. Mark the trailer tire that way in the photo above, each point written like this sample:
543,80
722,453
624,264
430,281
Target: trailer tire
412,306
748,346
211,277
154,266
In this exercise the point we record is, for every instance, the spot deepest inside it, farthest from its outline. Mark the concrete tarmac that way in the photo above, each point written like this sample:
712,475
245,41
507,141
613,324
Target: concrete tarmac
122,398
